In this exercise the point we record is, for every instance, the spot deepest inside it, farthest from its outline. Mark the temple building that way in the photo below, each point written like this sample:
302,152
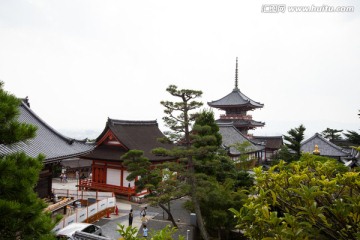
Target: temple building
231,136
319,145
118,137
49,142
236,105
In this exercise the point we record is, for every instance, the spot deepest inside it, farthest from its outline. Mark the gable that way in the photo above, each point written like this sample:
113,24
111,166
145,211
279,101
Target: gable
326,148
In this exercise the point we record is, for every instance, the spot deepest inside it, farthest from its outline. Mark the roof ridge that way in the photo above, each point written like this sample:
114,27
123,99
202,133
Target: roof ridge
69,140
243,135
131,122
326,141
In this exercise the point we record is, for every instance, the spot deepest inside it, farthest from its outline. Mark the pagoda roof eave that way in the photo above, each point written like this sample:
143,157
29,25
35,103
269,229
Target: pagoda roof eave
242,123
235,99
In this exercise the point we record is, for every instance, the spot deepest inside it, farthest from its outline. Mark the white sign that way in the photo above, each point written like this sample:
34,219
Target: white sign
81,214
102,205
92,210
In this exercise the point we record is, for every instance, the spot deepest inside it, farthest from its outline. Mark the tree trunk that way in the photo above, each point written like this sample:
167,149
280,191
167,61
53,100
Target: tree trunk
170,216
199,218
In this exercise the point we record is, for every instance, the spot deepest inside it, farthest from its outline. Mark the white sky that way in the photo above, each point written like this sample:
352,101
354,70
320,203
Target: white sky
81,62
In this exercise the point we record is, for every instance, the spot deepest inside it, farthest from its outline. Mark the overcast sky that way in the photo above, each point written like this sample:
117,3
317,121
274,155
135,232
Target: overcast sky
80,62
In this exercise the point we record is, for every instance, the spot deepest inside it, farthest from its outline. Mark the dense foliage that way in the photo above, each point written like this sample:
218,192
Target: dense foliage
161,181
293,140
332,134
129,233
217,177
22,215
313,198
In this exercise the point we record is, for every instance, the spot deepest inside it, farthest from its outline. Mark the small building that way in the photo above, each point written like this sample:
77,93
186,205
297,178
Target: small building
118,137
272,144
231,136
324,147
55,146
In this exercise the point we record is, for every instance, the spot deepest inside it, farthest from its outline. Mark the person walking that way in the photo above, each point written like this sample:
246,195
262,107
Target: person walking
131,217
143,211
144,220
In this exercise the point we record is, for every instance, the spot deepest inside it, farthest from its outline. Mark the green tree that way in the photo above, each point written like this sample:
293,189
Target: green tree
216,175
313,198
294,138
130,233
332,134
244,161
160,180
179,119
22,212
283,154
353,137
215,199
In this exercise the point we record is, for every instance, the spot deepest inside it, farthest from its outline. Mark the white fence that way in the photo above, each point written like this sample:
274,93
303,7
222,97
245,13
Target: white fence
81,214
76,194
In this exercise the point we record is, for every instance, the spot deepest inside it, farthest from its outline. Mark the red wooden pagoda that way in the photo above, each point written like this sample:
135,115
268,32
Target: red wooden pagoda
236,105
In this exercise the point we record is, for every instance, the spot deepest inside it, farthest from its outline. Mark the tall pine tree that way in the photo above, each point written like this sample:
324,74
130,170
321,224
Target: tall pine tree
22,212
179,118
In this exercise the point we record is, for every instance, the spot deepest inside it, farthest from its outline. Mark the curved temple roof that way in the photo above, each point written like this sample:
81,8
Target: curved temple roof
326,147
139,135
48,141
231,135
242,123
235,99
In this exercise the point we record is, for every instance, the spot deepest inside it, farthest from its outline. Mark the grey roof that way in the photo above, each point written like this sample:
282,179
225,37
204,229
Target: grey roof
273,142
242,122
139,135
326,147
231,135
48,141
235,99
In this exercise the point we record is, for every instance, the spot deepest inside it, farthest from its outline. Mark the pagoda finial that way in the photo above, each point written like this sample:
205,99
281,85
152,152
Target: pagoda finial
236,75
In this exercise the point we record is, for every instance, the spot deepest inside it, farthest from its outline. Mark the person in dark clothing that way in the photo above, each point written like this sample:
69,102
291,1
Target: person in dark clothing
143,211
131,217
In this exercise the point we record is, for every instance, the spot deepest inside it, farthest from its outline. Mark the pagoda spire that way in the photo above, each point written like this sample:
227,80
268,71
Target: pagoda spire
236,75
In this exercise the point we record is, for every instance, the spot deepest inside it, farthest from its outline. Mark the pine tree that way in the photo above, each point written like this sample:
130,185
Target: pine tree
294,139
332,134
179,119
216,175
22,212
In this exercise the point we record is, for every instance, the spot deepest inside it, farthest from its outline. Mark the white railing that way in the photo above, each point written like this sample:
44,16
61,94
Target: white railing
81,214
76,194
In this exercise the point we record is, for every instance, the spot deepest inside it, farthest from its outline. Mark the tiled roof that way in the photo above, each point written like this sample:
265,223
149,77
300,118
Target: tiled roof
106,152
231,135
134,135
48,141
242,122
273,142
235,99
326,147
